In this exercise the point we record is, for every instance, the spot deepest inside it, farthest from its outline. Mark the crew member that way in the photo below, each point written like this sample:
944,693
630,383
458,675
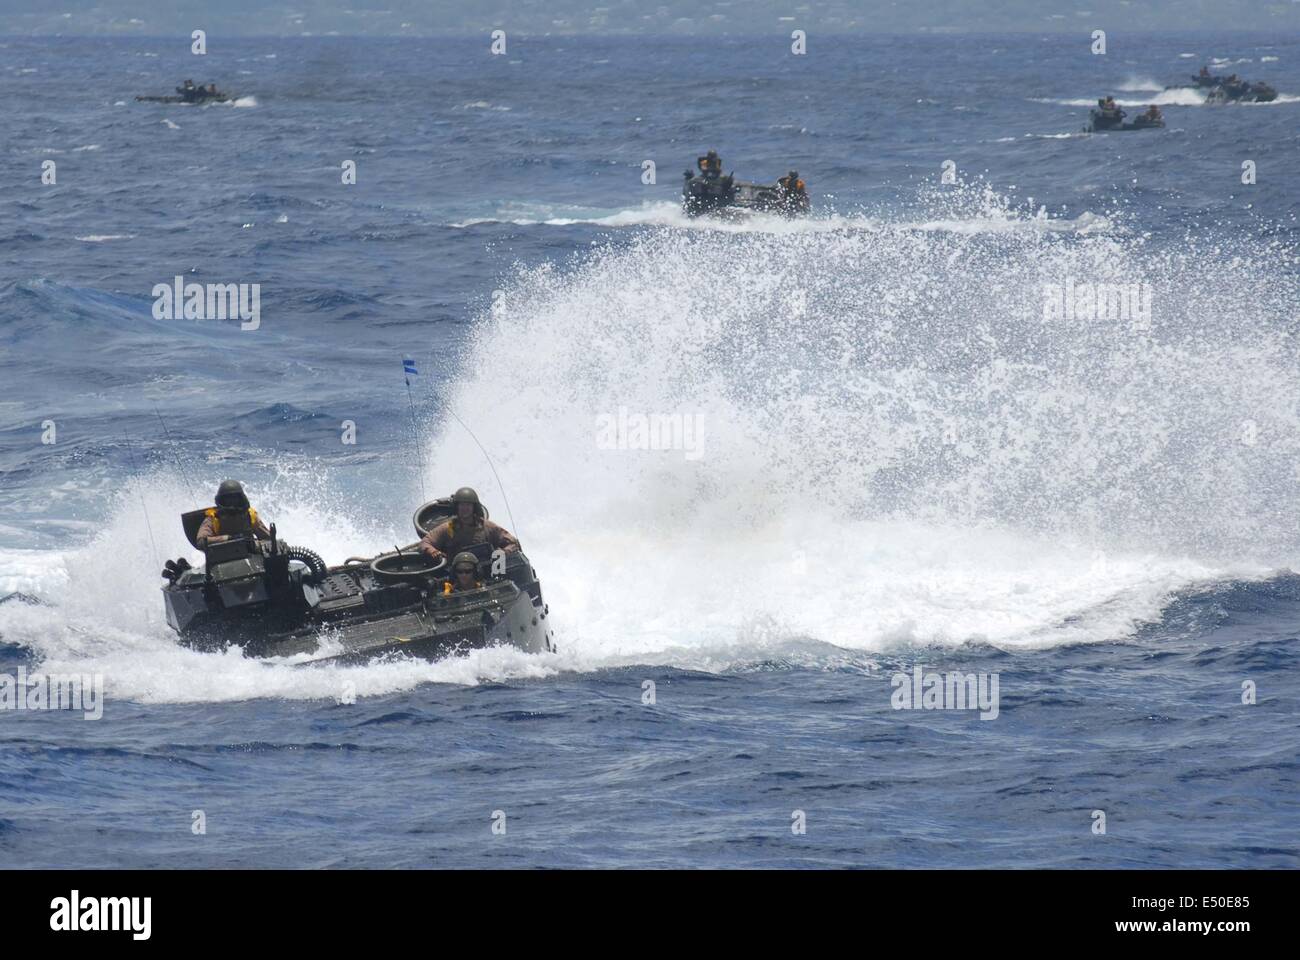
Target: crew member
468,527
791,185
710,165
464,574
231,517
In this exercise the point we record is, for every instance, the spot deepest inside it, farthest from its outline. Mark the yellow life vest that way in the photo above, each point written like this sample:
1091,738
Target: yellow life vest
448,589
211,514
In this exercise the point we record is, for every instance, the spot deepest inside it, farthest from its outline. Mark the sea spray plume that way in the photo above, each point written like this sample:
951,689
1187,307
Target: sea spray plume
906,375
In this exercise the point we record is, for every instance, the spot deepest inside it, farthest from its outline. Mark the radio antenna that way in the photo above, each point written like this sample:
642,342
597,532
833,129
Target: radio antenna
180,465
496,475
143,509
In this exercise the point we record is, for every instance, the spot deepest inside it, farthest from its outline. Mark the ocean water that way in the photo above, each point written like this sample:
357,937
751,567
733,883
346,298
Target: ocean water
899,460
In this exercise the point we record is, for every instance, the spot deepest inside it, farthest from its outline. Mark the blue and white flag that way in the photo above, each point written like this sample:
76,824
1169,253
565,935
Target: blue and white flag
408,367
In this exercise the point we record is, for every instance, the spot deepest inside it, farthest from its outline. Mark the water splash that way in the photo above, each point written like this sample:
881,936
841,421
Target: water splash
890,406
896,448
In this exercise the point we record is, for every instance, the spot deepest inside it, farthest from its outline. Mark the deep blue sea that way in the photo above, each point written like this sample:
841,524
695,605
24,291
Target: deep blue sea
900,459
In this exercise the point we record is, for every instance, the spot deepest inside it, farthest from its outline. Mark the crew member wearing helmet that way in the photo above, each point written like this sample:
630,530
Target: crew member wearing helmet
710,165
231,517
794,194
791,184
469,526
464,574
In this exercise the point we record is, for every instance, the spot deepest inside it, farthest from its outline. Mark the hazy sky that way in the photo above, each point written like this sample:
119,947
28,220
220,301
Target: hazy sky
687,17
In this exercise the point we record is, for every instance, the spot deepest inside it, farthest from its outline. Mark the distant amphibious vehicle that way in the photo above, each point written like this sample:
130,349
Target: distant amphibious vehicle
1232,89
189,93
708,191
275,600
1108,116
1100,124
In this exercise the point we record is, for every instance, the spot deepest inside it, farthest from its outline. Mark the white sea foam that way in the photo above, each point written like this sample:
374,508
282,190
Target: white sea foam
1141,84
994,216
1174,96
